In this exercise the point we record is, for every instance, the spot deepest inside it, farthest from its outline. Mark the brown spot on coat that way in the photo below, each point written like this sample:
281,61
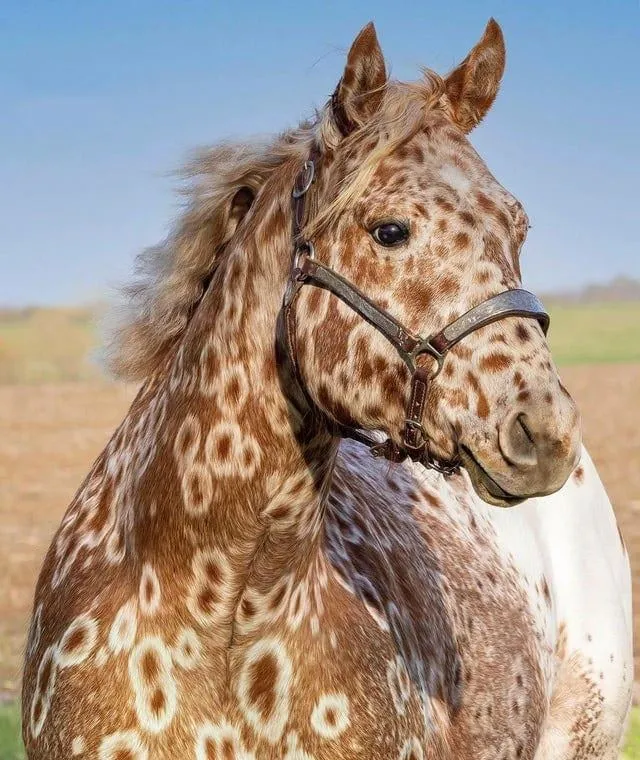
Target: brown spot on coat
444,204
232,391
467,218
223,446
482,408
75,641
495,363
149,666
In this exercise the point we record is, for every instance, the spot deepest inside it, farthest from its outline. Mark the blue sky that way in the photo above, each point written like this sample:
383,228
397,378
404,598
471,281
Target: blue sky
100,101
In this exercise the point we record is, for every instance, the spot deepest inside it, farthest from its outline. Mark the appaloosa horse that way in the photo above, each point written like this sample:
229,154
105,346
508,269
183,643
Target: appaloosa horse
232,581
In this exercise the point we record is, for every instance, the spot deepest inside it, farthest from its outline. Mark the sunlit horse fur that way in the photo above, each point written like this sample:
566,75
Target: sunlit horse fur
232,582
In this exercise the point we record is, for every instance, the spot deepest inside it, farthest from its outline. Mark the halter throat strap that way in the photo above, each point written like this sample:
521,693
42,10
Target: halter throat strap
305,269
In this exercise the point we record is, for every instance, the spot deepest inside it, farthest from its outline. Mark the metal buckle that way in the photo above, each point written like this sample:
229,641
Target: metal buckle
444,469
388,450
379,450
306,176
419,428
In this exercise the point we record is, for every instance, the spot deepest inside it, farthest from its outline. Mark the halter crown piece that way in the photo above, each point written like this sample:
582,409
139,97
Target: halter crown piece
306,270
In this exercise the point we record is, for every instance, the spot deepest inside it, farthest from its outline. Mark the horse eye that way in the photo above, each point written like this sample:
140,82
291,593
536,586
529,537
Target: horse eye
390,234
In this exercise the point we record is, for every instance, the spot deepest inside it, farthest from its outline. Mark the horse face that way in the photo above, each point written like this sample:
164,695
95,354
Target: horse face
418,223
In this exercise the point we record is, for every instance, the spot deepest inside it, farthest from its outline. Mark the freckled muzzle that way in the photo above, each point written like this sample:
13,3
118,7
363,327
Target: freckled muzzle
535,453
305,270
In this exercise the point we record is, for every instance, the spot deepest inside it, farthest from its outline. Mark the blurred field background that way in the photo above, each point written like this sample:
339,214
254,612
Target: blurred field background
57,412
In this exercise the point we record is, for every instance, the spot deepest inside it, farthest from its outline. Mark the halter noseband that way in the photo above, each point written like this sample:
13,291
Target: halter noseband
305,269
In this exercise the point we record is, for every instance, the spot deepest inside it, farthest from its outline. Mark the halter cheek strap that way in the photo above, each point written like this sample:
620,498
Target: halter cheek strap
305,269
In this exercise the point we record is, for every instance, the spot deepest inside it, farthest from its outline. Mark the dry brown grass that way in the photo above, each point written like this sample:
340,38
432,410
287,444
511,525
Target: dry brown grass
47,345
50,434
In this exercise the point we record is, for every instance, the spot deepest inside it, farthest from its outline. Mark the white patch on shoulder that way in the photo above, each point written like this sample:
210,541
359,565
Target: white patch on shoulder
231,452
78,745
399,684
35,631
294,750
149,594
263,688
330,716
216,739
122,634
115,546
187,650
256,609
197,488
151,675
43,694
196,483
236,386
299,605
187,441
123,744
78,641
210,593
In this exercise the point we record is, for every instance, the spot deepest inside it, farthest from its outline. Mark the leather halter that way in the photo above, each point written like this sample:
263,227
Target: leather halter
306,270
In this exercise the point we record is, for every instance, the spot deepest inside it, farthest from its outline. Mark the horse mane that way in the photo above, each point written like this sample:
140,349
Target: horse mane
169,278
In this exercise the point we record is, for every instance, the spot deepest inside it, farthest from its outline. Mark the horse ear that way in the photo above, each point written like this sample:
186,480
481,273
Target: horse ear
359,93
472,87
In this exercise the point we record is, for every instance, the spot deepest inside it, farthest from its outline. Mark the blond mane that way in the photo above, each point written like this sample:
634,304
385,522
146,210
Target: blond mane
155,308
169,277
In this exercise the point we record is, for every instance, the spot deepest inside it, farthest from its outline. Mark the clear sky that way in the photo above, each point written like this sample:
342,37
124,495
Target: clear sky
101,100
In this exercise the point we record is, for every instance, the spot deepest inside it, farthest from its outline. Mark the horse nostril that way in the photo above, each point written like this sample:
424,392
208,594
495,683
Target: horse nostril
517,442
522,421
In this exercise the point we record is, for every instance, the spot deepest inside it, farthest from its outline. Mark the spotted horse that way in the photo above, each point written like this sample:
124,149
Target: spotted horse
292,547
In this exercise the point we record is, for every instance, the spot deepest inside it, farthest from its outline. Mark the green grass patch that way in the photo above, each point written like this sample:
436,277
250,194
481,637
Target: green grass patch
595,333
54,344
10,739
632,748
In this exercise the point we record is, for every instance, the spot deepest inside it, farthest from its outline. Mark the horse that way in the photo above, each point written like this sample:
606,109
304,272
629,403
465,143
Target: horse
318,533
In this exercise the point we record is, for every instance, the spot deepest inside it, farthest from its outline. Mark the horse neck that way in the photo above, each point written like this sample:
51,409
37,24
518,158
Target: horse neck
216,460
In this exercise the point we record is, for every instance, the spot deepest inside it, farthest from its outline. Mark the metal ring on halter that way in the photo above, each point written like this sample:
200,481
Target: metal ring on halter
303,249
308,172
427,348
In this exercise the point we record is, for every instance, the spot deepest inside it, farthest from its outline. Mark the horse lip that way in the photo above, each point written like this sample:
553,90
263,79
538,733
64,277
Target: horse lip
493,488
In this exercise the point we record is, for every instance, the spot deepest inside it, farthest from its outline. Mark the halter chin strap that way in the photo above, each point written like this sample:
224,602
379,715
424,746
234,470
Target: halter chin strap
305,269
